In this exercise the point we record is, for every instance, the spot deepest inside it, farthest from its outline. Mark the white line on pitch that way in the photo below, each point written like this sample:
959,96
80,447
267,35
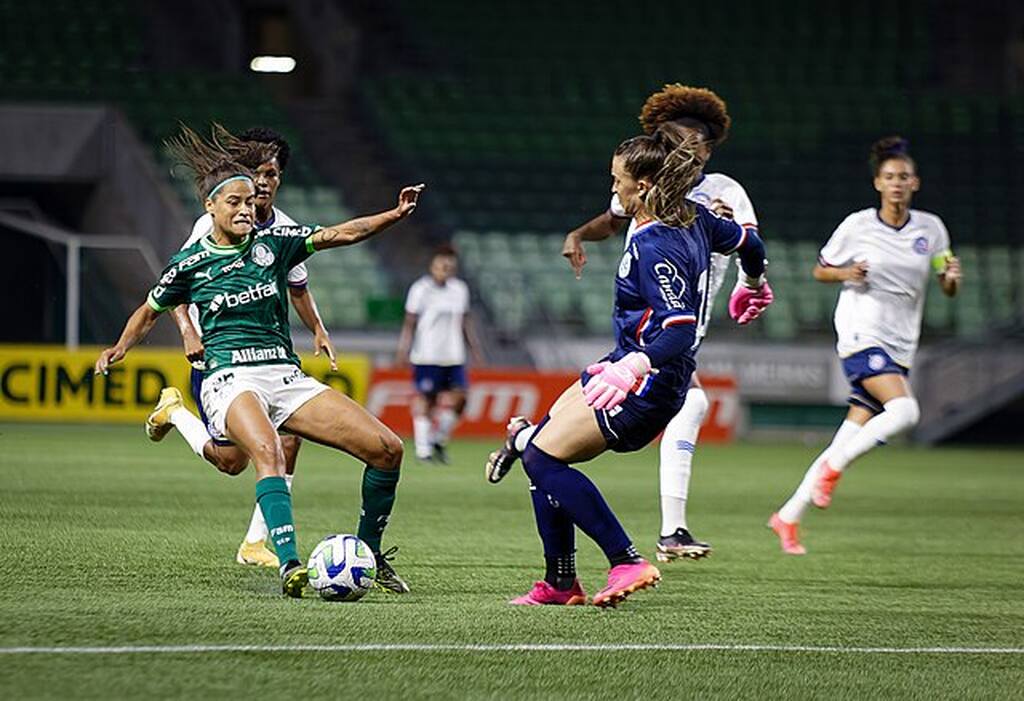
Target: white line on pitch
511,647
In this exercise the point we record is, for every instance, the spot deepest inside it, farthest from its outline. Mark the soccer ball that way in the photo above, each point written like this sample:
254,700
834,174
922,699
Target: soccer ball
342,568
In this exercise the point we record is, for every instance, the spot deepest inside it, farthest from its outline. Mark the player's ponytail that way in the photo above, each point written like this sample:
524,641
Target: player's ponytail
215,161
668,159
679,172
887,149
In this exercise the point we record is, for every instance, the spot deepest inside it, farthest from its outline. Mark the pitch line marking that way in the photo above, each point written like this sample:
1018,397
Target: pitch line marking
509,647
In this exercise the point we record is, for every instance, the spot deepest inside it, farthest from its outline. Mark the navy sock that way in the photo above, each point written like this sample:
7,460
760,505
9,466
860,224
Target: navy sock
558,534
578,497
629,556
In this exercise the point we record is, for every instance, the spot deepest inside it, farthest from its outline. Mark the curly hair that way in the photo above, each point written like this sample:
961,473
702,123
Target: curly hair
672,165
213,161
265,135
887,149
693,107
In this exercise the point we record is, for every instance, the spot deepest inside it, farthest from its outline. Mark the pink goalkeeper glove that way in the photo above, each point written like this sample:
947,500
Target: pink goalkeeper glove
746,303
609,383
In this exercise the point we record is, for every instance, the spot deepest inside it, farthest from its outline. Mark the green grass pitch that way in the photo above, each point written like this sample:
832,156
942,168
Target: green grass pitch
109,540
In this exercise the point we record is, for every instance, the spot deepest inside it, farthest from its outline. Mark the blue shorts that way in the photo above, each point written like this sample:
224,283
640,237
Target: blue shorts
640,418
431,379
197,396
870,362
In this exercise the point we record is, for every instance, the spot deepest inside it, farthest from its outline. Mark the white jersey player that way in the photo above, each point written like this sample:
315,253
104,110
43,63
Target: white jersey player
884,259
688,112
434,339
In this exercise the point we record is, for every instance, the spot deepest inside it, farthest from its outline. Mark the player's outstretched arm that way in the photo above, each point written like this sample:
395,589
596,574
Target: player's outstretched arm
138,326
599,228
362,228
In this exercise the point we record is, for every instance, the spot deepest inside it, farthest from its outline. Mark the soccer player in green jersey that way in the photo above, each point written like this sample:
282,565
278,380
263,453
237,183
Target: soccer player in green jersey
254,383
224,455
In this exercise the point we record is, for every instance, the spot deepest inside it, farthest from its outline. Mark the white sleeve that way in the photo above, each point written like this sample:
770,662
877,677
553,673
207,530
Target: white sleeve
201,228
298,276
742,208
615,207
414,301
465,297
839,251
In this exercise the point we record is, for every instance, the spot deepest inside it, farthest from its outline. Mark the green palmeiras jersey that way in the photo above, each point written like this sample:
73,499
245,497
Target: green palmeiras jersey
241,293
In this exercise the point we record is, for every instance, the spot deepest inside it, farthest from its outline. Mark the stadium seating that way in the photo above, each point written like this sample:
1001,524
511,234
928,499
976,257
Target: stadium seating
525,282
92,51
516,137
513,126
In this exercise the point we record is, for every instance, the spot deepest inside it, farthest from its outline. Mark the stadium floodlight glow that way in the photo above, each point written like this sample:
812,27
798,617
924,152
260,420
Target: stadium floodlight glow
272,64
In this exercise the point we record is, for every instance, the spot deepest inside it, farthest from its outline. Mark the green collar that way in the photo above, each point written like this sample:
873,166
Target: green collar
212,247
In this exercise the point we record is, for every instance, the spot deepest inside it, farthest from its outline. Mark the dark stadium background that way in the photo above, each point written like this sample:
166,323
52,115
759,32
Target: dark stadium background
117,569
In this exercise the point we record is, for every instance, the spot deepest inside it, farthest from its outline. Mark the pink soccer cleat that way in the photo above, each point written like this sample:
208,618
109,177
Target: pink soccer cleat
788,537
623,580
821,493
543,594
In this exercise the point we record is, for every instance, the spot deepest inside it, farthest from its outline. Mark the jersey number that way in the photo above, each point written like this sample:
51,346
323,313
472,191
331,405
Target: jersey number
702,310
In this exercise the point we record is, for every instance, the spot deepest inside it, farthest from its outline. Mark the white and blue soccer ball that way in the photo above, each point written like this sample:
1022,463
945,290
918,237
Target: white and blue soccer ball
342,568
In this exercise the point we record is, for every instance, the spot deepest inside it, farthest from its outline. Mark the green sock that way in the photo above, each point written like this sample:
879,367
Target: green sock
275,502
378,498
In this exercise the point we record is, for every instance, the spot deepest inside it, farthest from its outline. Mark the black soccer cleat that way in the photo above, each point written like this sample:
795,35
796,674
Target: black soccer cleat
441,454
294,577
681,545
387,579
501,460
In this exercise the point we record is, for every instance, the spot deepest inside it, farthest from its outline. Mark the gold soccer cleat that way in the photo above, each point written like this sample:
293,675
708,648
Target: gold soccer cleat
158,423
256,554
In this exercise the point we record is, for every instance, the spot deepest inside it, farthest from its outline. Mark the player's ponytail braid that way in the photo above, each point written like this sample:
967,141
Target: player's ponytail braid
681,167
212,162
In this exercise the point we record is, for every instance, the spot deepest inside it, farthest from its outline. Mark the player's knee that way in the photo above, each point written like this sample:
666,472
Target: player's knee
389,453
538,465
696,405
269,456
906,410
290,445
232,466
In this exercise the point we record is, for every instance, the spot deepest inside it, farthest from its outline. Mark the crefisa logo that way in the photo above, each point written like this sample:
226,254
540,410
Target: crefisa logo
921,245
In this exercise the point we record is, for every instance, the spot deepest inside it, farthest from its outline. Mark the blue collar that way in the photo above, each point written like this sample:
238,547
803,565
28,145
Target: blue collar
270,222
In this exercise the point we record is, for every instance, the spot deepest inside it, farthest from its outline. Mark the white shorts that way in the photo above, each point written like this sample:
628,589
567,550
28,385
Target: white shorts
281,389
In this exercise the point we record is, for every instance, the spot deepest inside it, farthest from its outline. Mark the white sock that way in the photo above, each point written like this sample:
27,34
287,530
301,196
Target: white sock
446,420
522,438
258,532
191,429
900,415
793,510
677,447
421,430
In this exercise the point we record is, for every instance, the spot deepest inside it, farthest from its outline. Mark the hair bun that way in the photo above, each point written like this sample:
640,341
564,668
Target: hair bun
890,146
886,148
